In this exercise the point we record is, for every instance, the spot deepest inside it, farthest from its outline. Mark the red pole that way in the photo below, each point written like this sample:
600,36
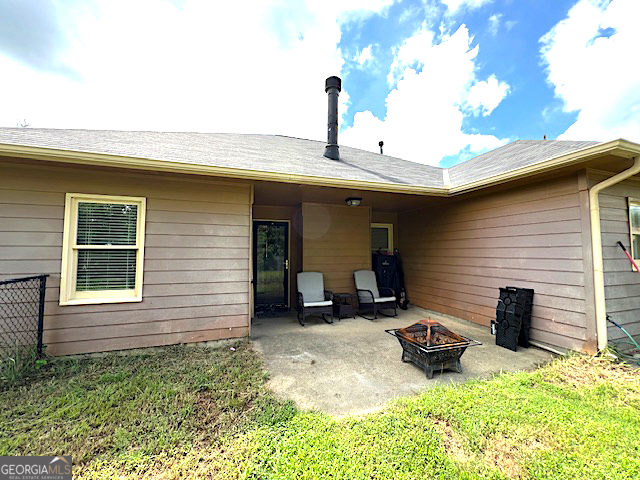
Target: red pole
629,257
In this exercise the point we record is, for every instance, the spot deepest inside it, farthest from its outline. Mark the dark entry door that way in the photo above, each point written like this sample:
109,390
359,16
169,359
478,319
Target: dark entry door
271,265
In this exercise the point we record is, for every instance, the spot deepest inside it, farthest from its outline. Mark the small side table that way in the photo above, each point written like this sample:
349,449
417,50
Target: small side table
343,305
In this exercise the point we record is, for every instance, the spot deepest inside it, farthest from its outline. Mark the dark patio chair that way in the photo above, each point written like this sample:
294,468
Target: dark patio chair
370,296
313,299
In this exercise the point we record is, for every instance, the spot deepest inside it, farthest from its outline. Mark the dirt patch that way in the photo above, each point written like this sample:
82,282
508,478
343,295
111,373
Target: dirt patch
212,417
453,442
503,455
507,454
200,462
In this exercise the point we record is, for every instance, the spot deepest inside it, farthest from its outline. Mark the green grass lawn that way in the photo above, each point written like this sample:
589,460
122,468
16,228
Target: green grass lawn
193,412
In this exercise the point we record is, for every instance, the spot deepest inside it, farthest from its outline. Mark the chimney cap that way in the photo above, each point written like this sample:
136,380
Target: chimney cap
333,82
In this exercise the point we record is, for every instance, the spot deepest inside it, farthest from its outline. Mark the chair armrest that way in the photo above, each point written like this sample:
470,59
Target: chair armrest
381,289
328,295
369,292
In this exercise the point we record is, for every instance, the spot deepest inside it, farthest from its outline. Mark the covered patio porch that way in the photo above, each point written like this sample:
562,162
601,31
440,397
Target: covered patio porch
316,229
455,253
353,366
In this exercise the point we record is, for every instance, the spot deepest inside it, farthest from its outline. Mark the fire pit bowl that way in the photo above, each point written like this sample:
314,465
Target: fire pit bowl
431,346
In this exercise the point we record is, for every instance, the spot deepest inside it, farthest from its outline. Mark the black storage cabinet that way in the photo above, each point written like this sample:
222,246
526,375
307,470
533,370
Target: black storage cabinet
513,317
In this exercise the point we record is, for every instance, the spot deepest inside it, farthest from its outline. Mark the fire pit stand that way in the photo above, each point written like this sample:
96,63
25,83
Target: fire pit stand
431,346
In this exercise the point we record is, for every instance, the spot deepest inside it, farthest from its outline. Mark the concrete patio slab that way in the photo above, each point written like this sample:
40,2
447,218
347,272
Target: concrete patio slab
354,366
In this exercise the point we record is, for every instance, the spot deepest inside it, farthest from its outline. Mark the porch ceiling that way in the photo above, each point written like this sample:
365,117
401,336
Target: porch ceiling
286,194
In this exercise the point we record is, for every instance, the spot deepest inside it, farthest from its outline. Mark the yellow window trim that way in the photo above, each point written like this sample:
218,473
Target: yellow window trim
633,229
389,227
68,293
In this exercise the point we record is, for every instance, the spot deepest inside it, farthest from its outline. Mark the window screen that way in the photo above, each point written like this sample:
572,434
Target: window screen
380,238
112,228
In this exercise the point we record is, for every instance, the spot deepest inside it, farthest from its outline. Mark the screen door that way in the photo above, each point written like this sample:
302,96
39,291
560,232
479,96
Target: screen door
271,264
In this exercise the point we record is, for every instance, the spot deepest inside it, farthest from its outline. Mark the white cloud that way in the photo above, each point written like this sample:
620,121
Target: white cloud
208,66
364,55
594,75
411,51
509,24
434,87
494,23
485,95
455,5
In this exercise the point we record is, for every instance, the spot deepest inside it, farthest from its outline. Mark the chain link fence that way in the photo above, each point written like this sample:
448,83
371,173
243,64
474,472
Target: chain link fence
21,318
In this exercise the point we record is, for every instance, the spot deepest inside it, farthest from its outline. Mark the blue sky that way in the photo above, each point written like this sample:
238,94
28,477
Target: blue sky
510,51
439,81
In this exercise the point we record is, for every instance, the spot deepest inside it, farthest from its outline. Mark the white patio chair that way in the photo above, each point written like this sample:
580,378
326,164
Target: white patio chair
313,299
369,295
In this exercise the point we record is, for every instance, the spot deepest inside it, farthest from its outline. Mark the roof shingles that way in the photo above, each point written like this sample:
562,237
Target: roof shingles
286,155
514,155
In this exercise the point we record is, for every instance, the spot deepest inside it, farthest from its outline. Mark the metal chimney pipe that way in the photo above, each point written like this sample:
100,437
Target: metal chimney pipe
380,144
332,86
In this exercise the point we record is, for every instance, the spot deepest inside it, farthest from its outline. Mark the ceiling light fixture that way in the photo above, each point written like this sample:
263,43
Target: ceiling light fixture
353,201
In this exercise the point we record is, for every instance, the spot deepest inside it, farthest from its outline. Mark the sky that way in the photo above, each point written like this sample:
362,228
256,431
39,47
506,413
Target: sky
439,81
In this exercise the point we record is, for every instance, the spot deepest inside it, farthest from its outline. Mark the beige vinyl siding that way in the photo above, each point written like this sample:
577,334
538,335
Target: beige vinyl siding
336,242
196,264
458,254
621,283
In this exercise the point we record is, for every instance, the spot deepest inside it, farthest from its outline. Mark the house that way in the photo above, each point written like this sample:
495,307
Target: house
154,238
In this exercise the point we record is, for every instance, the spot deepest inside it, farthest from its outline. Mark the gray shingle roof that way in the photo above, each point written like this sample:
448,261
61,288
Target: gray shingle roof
269,153
511,156
274,153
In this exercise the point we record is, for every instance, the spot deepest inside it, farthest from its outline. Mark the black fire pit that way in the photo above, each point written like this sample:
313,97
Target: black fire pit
431,346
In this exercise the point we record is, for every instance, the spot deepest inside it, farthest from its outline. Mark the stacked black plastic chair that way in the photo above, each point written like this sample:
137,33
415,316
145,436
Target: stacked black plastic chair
513,317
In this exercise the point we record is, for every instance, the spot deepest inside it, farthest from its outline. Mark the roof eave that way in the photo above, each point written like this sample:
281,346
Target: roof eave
149,164
619,147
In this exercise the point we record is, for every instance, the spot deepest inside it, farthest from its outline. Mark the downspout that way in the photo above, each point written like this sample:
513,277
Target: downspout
596,246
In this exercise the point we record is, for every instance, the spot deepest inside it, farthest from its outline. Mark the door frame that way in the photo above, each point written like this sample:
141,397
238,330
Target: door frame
254,260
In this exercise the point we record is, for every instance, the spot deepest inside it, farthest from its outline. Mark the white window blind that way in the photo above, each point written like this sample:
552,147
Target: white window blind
634,221
112,228
106,270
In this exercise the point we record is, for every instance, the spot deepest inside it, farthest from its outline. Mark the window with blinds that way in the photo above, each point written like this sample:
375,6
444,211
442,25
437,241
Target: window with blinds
102,260
634,223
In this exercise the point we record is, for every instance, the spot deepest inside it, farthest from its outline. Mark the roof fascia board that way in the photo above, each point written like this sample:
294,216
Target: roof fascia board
139,163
